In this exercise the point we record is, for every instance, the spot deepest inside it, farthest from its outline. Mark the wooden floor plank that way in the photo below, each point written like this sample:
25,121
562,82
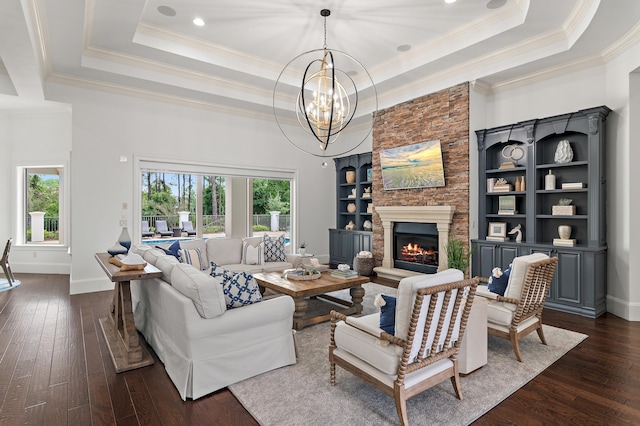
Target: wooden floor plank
40,325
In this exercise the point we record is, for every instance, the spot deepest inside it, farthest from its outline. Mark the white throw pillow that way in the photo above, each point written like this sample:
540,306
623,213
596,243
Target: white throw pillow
274,249
193,257
252,250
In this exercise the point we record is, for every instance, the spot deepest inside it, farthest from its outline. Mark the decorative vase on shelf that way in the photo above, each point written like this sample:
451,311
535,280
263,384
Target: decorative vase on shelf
564,153
124,239
350,176
303,251
550,181
564,231
351,208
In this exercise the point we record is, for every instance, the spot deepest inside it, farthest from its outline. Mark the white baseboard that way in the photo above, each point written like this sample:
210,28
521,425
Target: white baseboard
41,268
90,285
623,309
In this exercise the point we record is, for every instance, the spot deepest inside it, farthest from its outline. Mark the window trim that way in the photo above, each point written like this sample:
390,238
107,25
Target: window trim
166,165
64,208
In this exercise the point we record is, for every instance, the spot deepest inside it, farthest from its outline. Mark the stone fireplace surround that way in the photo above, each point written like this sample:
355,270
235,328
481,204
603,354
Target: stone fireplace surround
442,216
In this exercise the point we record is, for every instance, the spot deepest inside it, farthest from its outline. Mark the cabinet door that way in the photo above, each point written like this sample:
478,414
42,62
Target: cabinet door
486,253
507,254
363,243
568,278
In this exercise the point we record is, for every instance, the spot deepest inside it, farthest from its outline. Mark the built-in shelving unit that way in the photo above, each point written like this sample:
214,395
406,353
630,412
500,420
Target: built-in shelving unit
580,282
353,200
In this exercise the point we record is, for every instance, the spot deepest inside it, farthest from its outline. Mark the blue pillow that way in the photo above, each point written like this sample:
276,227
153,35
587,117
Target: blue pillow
499,285
239,289
388,314
173,250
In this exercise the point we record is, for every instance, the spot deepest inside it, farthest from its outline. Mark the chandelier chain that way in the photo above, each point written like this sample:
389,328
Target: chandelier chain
325,32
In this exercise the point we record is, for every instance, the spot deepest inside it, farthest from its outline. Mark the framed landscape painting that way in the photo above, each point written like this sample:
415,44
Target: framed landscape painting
413,166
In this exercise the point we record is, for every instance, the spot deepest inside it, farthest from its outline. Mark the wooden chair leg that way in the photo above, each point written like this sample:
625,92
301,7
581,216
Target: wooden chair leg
541,333
455,381
513,337
401,405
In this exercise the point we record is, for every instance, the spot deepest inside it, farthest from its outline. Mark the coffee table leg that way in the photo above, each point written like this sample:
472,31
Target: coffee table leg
357,293
301,309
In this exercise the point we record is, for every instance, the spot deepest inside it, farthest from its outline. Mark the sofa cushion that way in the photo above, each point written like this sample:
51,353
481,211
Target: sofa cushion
274,249
151,256
204,290
193,257
239,289
198,243
224,251
165,264
252,251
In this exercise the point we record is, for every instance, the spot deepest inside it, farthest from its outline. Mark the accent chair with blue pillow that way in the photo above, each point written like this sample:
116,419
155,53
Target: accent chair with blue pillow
519,311
360,346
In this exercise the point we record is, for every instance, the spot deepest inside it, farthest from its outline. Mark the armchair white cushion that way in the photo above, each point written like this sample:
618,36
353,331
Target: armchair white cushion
431,315
519,312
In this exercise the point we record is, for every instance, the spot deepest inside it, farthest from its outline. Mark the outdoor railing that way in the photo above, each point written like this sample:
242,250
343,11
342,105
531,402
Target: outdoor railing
218,221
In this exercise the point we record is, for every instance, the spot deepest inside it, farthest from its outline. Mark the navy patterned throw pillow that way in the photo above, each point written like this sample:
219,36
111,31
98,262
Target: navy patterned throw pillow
387,306
274,249
239,289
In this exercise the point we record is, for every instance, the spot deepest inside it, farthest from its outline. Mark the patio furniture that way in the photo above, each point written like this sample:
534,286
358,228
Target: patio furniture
163,229
519,311
430,320
187,227
4,262
145,229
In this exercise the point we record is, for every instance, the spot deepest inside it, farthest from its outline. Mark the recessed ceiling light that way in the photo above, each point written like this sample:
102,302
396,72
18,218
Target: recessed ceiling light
403,48
449,1
198,21
167,11
496,4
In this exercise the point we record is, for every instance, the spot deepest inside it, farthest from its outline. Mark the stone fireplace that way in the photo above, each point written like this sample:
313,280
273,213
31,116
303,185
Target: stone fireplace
443,116
441,216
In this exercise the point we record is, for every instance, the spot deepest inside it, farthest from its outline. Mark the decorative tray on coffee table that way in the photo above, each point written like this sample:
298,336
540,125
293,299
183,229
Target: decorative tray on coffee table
301,274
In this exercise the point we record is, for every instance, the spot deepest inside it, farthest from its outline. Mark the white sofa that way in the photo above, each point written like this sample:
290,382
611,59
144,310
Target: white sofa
203,345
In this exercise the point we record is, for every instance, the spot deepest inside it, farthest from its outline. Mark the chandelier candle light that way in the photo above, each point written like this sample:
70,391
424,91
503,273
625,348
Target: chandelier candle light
326,100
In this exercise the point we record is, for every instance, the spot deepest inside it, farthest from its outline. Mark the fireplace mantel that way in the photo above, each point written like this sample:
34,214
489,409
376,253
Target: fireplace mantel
442,216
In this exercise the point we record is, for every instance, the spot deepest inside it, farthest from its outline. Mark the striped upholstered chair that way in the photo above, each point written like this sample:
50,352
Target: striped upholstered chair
430,319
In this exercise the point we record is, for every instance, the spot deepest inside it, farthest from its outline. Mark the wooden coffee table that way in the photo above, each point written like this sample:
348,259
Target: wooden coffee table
302,290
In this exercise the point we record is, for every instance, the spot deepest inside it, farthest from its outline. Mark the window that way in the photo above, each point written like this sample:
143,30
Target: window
42,219
218,200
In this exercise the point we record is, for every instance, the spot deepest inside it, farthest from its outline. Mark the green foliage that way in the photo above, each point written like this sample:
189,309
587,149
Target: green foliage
260,228
271,195
457,256
43,195
275,203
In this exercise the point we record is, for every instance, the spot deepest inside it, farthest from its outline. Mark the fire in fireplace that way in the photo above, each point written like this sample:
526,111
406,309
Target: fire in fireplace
416,247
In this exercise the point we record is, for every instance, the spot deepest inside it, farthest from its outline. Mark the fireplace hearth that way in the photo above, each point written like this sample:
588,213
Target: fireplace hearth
416,247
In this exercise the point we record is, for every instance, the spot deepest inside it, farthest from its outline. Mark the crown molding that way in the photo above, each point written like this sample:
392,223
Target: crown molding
481,87
548,73
624,43
95,58
200,50
155,96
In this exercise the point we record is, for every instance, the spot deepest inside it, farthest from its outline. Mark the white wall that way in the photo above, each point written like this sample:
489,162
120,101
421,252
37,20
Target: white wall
33,135
603,85
623,298
107,126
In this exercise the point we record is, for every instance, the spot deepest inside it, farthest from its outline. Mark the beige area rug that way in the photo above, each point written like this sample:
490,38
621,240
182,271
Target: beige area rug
301,394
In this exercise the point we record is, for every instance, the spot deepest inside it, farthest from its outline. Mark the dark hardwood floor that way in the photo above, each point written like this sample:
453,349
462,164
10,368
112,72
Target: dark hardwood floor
55,369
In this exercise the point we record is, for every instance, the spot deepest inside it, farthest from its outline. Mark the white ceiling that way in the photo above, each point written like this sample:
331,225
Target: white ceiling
233,61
